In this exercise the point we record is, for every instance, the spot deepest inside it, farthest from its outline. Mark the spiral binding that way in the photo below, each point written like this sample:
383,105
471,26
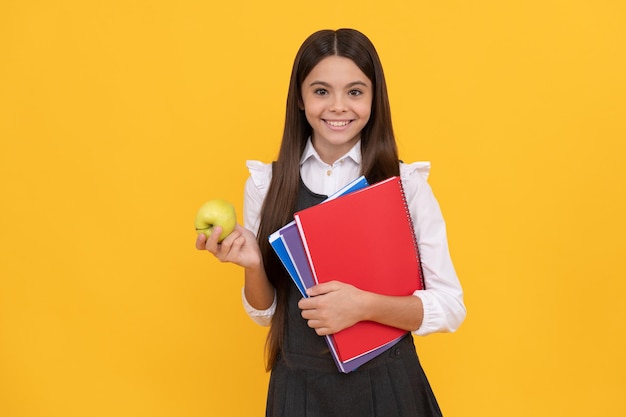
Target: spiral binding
420,271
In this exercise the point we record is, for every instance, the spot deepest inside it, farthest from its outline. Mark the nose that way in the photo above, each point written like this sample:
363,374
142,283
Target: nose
338,104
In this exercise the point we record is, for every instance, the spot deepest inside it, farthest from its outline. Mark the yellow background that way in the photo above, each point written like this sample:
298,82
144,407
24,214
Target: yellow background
119,118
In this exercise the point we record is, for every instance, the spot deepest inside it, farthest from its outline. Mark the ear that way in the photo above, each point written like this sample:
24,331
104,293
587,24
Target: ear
301,104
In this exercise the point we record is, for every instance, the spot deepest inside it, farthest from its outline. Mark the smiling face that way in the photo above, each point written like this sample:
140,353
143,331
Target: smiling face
337,100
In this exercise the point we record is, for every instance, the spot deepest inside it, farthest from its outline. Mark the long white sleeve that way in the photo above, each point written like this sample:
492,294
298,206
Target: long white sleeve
444,310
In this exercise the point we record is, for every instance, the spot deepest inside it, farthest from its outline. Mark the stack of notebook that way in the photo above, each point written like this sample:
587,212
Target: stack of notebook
362,235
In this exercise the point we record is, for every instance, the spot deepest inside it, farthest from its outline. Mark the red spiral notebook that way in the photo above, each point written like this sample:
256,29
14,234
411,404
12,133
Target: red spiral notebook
365,239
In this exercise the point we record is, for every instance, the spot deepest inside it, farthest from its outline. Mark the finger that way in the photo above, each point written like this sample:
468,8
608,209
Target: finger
319,328
306,303
237,242
323,331
228,243
308,314
323,288
201,242
211,243
230,247
231,238
314,324
238,228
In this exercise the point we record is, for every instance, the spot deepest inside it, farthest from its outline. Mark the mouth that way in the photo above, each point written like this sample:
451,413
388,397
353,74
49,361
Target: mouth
337,123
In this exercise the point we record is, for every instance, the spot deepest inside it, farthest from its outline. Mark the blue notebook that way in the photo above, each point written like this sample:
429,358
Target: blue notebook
302,275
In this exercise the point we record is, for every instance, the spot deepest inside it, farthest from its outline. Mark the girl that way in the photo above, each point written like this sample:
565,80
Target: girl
337,127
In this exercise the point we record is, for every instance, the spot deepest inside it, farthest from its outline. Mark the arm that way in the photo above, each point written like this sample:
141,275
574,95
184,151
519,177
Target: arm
438,308
442,299
258,291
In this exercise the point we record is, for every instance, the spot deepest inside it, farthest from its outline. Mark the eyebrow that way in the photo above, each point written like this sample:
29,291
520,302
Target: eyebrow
349,85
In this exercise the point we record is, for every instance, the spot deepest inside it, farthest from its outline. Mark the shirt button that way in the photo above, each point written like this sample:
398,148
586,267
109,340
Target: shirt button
329,172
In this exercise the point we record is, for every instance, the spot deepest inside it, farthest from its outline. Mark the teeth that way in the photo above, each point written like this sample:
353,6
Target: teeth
337,123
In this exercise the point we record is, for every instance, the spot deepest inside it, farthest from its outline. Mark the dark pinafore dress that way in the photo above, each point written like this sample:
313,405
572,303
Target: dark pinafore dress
305,381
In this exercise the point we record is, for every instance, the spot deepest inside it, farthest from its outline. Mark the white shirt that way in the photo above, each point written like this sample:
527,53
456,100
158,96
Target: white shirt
444,310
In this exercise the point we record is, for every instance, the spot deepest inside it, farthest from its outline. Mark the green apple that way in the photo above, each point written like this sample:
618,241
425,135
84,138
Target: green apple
216,213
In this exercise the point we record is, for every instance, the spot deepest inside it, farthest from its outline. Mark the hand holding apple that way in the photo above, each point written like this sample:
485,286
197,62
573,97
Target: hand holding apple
216,213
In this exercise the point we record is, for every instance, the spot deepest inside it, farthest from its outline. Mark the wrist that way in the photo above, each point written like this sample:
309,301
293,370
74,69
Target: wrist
367,302
254,270
254,265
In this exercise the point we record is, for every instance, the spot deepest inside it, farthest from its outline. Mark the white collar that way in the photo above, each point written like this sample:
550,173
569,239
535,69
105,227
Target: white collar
309,152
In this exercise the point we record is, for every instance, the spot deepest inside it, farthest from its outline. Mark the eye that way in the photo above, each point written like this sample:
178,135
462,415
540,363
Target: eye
321,91
355,92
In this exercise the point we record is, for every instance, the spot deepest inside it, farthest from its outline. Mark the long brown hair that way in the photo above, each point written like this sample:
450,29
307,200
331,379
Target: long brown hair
378,148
